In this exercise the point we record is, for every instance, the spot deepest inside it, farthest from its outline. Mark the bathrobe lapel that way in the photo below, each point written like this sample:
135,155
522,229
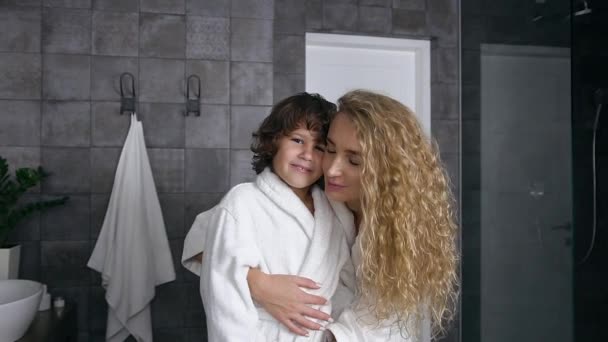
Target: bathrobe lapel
284,198
330,226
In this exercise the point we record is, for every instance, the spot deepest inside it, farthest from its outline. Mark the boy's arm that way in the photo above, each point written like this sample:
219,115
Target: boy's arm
230,251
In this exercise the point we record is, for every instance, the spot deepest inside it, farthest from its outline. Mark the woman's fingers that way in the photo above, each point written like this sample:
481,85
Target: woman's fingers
294,328
308,298
284,299
313,313
310,284
306,323
306,282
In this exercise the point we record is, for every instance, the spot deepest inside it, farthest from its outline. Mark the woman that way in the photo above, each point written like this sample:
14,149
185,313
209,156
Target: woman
381,165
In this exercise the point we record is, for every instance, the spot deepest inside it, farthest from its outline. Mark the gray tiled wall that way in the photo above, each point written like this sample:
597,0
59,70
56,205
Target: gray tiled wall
60,63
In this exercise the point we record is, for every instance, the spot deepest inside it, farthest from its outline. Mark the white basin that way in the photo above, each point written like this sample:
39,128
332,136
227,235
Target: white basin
19,301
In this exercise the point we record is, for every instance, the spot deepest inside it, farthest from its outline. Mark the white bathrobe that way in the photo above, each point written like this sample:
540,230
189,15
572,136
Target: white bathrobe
264,224
352,324
132,252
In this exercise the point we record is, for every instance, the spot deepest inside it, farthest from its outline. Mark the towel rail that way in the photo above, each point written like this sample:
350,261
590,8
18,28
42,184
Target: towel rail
193,105
127,103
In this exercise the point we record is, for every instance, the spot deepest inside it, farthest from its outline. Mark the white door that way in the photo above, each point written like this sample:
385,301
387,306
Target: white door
399,68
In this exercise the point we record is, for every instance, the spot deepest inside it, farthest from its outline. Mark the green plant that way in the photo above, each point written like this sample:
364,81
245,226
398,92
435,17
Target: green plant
11,211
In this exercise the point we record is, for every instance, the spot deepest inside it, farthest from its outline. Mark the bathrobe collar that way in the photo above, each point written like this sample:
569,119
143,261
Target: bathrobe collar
284,197
346,219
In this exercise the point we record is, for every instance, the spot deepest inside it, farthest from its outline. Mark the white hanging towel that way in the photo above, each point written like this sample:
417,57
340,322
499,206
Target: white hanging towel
132,252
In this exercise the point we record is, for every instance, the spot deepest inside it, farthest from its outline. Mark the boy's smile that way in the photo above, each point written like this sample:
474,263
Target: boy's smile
298,159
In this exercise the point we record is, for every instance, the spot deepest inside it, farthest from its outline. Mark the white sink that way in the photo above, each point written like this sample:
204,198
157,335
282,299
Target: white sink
19,301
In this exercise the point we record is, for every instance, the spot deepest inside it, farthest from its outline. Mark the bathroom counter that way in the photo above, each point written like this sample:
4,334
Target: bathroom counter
53,326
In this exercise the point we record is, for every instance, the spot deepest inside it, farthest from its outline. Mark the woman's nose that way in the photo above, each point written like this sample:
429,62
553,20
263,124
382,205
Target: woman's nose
333,168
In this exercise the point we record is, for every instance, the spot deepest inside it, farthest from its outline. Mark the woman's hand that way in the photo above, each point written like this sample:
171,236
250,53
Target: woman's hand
282,298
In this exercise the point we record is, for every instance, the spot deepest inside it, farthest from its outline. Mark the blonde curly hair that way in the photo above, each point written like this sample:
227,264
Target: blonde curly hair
409,259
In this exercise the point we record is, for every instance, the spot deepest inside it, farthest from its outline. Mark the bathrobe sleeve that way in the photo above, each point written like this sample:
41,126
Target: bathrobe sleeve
195,241
230,251
357,324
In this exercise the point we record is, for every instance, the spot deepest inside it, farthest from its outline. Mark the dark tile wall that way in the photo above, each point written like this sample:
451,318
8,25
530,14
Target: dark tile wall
60,63
590,73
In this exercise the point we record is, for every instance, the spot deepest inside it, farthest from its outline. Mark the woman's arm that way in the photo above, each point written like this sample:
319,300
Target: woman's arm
282,297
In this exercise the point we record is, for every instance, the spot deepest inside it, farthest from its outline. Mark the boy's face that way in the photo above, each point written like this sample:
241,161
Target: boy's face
299,158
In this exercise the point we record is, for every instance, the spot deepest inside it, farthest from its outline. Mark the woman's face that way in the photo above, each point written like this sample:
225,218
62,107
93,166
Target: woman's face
342,162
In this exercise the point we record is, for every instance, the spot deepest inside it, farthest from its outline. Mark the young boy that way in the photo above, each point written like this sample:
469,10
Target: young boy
281,223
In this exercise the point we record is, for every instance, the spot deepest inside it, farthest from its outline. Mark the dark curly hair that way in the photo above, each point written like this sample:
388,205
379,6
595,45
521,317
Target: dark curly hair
301,110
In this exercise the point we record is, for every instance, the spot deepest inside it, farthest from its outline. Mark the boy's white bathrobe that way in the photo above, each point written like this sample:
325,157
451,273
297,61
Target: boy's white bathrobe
264,224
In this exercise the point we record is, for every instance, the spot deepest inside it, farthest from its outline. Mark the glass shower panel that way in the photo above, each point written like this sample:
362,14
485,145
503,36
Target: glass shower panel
525,194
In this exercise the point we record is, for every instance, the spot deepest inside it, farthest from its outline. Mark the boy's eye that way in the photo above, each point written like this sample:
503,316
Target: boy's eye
297,140
320,148
330,150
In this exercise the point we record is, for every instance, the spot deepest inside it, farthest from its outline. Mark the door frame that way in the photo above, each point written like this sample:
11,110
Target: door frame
421,49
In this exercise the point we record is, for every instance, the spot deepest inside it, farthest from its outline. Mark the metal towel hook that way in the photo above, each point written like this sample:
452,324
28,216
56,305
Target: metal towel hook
193,105
127,104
